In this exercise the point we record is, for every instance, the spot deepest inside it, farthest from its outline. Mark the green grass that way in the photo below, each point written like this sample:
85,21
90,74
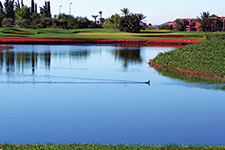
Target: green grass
105,147
157,31
93,33
102,34
205,56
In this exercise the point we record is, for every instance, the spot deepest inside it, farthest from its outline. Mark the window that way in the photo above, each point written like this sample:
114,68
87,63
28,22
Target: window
219,24
193,25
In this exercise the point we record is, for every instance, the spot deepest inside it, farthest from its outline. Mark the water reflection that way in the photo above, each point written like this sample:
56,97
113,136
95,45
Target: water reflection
23,59
193,80
60,100
128,56
11,61
79,54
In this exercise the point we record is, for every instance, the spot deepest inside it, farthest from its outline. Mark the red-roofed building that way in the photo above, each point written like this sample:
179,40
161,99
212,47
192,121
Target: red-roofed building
144,25
193,25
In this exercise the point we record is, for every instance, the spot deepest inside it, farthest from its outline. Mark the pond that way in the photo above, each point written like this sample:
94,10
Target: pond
97,94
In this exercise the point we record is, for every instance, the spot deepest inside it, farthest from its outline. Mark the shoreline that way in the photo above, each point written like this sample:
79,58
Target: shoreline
144,42
189,72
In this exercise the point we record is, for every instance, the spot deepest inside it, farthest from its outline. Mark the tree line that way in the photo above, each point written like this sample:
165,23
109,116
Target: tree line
128,22
16,14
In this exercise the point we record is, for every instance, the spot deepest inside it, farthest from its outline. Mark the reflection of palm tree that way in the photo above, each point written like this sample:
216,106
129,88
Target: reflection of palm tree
95,16
128,56
33,61
125,11
10,59
83,54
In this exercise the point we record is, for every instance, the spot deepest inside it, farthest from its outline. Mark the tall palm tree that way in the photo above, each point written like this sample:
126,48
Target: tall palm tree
125,11
100,12
32,6
46,9
22,3
95,16
207,23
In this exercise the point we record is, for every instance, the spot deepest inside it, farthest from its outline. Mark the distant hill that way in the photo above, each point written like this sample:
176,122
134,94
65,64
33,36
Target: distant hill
160,24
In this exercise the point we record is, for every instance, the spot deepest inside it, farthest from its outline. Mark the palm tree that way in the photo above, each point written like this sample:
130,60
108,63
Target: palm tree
207,23
22,3
125,11
32,6
181,25
95,16
140,17
17,4
100,12
46,9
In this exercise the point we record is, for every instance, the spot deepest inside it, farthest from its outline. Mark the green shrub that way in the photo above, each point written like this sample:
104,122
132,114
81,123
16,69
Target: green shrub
166,27
7,22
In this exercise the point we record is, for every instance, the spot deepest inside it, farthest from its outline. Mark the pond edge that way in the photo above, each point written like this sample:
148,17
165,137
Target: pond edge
189,72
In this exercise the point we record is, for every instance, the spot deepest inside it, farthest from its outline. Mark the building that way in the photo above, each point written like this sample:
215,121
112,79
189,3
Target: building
144,25
155,27
193,25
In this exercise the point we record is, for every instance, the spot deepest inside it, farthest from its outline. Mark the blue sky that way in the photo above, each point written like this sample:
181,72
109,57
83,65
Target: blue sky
157,11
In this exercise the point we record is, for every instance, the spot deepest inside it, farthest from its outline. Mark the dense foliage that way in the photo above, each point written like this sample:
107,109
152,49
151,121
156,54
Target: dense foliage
106,147
181,25
166,27
207,22
16,14
205,56
128,23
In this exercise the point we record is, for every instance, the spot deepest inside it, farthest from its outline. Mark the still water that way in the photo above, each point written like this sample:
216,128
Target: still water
96,94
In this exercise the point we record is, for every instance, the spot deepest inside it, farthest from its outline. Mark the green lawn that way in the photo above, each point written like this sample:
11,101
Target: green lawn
95,33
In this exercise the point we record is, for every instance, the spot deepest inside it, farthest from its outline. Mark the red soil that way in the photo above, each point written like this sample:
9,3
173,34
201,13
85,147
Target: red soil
189,72
106,41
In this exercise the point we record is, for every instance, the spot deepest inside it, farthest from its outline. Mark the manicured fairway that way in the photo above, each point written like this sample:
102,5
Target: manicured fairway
95,34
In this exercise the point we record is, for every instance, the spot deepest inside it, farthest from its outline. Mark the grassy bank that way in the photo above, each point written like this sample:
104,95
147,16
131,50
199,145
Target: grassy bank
96,34
205,56
106,147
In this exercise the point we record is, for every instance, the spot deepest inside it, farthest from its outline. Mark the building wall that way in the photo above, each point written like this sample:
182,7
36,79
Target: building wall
193,25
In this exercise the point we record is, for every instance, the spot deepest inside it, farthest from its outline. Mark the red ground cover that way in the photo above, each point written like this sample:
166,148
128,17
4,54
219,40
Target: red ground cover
62,41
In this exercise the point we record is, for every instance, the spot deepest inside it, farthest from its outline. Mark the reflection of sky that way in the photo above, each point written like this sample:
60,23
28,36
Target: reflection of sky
168,111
